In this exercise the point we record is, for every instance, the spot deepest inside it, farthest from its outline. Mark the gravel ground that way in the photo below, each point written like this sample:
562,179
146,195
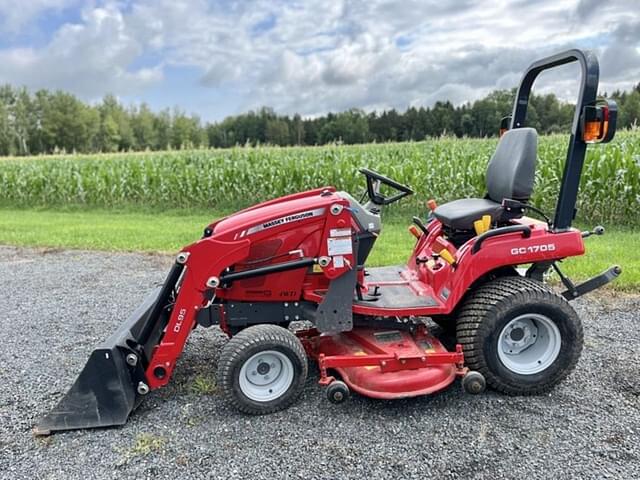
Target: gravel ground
56,305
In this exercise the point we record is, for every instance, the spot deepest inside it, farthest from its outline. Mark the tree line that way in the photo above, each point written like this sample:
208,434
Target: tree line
49,122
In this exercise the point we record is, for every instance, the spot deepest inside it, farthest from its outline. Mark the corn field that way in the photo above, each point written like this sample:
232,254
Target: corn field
442,169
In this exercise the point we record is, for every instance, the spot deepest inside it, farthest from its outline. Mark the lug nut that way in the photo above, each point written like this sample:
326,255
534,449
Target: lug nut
132,359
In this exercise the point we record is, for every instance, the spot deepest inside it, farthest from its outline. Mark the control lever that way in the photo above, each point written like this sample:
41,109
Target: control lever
420,225
510,205
599,230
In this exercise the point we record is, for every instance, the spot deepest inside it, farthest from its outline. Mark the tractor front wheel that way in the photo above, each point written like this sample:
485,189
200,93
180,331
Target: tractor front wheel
520,335
262,369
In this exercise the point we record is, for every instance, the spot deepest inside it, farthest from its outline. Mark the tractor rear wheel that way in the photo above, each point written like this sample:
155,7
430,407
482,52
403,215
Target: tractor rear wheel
262,369
520,335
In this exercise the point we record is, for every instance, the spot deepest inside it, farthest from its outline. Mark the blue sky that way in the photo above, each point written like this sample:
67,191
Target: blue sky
221,58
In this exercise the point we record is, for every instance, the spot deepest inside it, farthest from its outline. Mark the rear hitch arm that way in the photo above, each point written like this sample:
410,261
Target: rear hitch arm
575,291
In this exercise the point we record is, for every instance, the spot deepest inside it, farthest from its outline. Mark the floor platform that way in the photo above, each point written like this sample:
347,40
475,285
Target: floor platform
393,291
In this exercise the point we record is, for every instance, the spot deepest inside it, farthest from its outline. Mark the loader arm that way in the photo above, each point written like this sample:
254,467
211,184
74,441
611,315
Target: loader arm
199,275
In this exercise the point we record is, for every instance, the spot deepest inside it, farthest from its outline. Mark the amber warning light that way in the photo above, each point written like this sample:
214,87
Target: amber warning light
599,122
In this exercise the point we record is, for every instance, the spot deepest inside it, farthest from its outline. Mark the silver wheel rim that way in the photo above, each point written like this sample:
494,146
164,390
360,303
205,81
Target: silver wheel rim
529,344
266,376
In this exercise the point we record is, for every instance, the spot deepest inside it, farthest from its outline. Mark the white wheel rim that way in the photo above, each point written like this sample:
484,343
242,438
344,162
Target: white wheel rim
266,376
529,344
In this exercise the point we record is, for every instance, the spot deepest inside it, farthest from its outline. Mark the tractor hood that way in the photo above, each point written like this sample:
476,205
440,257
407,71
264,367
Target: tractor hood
289,209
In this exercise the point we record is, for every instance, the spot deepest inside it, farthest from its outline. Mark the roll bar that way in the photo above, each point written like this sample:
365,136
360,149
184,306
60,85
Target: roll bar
566,206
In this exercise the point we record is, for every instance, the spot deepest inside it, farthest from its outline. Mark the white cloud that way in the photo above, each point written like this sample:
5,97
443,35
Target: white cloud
306,57
89,58
15,15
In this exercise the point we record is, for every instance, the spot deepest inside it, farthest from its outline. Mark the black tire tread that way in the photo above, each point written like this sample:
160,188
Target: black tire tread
247,339
489,300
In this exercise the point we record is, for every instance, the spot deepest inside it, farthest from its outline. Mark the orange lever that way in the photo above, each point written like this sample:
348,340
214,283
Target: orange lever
414,231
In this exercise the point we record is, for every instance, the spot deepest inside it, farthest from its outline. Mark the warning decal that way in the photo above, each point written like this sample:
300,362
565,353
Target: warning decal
339,246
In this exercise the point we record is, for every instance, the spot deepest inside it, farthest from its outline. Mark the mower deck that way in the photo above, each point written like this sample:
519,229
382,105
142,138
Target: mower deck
385,364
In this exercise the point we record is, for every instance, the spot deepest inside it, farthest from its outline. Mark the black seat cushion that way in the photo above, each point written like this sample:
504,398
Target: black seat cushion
460,214
510,175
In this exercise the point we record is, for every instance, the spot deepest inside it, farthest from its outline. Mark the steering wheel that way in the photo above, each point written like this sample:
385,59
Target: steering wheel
374,179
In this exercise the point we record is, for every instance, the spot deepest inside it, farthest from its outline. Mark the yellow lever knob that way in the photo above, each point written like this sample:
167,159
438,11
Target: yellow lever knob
447,257
482,225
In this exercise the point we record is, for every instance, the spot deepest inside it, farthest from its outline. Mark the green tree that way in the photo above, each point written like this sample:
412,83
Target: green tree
277,132
349,127
109,134
297,130
630,110
5,132
186,131
110,107
162,125
144,128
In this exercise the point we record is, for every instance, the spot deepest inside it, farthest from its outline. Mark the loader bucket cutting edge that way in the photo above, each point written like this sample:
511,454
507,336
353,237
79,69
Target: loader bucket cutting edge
104,394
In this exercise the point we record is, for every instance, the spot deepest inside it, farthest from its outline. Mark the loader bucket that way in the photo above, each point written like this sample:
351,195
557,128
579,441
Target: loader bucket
105,392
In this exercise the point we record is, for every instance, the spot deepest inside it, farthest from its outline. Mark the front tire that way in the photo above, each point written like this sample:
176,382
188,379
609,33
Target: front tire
262,369
521,336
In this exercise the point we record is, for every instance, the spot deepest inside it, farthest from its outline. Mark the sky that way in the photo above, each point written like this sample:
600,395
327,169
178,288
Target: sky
220,58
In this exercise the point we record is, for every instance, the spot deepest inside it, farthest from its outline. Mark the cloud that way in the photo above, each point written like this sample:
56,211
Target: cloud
301,56
89,58
587,8
14,15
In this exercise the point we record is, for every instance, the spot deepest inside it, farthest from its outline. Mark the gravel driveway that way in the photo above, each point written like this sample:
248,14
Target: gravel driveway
56,305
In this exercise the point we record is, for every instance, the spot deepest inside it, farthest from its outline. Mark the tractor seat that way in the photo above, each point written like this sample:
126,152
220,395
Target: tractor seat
510,175
460,214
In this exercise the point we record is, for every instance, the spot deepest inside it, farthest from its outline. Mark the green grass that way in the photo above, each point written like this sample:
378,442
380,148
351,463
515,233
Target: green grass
117,230
203,385
167,232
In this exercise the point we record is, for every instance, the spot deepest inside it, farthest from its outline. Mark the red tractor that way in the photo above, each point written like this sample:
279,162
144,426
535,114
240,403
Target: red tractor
303,257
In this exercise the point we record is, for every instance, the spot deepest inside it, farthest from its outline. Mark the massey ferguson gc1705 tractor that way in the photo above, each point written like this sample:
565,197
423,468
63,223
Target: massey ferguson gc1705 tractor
303,258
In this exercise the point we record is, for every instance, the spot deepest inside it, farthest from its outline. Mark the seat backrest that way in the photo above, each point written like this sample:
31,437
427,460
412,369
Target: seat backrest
512,168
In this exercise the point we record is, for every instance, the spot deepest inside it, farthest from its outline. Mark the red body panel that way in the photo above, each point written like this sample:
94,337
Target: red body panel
299,223
448,283
234,225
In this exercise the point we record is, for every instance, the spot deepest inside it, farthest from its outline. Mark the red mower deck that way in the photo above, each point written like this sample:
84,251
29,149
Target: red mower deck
387,364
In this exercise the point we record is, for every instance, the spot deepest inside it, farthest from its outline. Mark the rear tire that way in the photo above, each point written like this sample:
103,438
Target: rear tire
262,369
521,336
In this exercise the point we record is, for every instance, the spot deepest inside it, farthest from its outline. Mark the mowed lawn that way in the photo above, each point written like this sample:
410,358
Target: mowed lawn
166,232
